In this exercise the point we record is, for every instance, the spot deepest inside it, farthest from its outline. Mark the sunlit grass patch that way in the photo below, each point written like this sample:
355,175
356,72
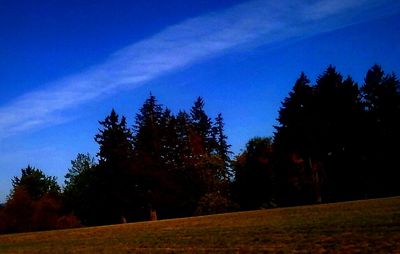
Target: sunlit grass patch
361,226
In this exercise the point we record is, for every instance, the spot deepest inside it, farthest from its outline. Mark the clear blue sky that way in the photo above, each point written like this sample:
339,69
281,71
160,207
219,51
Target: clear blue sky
65,64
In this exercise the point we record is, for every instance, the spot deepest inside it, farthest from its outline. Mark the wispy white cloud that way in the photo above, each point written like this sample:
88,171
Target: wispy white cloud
249,24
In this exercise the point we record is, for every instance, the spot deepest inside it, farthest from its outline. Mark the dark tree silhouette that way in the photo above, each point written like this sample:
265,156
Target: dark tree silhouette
222,148
155,145
381,95
79,190
114,185
254,176
202,131
294,133
321,126
338,114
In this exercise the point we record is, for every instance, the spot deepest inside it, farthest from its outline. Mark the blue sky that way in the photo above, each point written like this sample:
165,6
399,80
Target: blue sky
65,64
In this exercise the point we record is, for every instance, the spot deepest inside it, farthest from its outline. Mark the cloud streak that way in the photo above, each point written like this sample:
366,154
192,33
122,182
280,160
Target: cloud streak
245,25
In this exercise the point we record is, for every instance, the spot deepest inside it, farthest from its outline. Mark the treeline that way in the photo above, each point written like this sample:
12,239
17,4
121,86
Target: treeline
341,139
334,141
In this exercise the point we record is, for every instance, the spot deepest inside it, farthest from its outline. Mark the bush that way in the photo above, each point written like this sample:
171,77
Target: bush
68,221
212,203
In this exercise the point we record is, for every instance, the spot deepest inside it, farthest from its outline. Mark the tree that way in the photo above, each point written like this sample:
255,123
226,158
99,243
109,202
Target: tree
294,132
155,158
114,182
254,176
34,203
222,148
201,133
35,182
321,125
296,145
115,142
381,97
79,190
337,123
81,164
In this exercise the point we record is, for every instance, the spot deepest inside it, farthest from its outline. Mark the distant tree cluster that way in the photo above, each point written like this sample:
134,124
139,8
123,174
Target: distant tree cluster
334,141
170,165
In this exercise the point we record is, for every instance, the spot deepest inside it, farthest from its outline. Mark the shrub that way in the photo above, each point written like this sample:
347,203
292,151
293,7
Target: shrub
215,202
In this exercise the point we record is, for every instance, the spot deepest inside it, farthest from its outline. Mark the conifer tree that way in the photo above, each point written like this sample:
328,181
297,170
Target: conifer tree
222,148
155,159
147,130
338,114
201,132
115,142
295,119
381,95
113,175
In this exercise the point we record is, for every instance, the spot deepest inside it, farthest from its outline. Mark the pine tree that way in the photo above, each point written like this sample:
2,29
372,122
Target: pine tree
115,143
184,150
155,159
222,148
320,125
201,132
295,120
337,118
113,175
147,130
169,140
381,95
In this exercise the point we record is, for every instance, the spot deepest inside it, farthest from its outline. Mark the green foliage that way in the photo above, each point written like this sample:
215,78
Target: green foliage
254,176
81,164
35,182
34,203
115,141
79,188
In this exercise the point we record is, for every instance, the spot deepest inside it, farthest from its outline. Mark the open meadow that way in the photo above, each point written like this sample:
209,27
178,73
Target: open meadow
370,226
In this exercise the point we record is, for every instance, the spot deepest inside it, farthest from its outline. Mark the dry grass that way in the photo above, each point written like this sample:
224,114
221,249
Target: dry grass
371,226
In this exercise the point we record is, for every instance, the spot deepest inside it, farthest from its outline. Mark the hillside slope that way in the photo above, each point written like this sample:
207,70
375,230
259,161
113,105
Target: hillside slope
371,226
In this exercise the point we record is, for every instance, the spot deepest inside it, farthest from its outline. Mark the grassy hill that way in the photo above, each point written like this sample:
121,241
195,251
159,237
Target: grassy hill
371,226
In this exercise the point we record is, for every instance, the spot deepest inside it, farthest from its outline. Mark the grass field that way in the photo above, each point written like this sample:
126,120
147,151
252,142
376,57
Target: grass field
370,226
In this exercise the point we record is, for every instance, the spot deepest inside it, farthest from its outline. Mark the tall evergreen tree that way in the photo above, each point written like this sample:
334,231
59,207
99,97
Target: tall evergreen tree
114,180
295,145
202,128
115,142
337,118
320,125
295,120
184,151
147,130
381,96
222,148
154,156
